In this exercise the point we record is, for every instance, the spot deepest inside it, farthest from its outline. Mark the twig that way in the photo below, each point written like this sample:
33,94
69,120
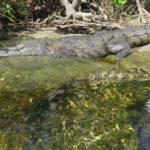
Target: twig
141,17
146,12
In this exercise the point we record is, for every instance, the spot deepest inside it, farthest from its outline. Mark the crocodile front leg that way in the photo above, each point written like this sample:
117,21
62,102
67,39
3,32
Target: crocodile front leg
119,47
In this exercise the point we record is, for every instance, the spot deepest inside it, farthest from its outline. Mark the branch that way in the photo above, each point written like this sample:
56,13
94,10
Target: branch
65,2
75,3
140,11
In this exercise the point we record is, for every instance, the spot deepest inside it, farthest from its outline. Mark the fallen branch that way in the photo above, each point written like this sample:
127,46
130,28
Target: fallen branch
86,27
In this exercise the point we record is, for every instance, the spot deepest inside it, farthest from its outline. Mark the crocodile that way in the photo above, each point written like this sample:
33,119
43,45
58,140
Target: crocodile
119,42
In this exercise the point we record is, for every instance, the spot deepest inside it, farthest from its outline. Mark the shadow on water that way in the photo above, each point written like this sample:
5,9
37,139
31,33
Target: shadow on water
82,114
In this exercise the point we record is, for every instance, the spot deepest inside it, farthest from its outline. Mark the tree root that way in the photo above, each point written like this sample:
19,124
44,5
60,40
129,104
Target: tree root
141,16
82,27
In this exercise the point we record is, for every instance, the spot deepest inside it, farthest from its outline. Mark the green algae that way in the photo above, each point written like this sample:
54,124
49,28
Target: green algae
89,114
16,72
139,58
97,115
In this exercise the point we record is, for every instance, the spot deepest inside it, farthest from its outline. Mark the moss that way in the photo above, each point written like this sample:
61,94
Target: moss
45,71
88,115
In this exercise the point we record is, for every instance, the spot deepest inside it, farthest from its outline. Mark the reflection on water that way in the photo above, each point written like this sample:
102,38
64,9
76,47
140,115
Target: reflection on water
147,106
80,115
143,127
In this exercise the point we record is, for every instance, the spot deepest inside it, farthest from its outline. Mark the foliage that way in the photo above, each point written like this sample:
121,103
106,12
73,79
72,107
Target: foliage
17,9
25,10
114,8
120,2
6,10
13,10
22,9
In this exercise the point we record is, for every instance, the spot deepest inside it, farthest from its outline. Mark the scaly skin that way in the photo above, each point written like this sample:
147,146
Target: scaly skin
117,42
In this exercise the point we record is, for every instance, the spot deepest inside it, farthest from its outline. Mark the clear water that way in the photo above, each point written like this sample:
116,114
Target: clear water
85,115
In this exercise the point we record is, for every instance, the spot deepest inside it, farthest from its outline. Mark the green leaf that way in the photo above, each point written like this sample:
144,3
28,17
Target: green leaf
120,2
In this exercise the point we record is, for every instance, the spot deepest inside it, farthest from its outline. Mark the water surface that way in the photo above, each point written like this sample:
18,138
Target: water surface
88,113
85,115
